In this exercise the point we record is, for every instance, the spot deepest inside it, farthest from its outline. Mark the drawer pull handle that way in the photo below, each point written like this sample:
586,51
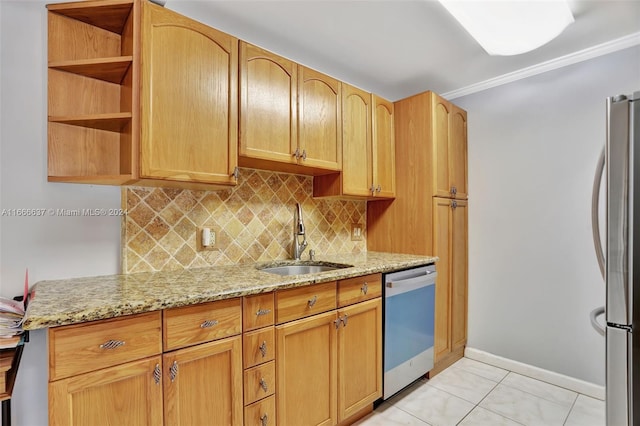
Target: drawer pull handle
264,419
364,288
263,312
112,344
263,384
157,374
312,301
173,371
209,323
263,349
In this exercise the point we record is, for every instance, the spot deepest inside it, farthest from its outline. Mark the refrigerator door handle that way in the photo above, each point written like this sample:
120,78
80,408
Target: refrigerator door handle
617,267
595,213
594,321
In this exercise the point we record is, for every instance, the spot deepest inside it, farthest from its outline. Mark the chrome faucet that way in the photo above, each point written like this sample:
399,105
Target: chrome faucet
298,231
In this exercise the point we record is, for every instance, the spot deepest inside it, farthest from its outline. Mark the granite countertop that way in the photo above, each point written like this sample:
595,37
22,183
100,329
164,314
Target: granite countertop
79,300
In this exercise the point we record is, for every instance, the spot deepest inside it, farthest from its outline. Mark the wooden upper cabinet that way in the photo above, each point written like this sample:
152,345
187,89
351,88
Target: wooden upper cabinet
268,105
356,143
319,120
189,100
449,127
368,149
458,151
383,148
290,115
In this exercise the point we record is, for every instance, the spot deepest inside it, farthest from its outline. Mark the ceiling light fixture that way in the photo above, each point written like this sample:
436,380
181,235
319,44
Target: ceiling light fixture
511,27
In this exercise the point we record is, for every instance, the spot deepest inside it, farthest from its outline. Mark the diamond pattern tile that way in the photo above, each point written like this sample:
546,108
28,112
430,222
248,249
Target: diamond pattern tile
254,222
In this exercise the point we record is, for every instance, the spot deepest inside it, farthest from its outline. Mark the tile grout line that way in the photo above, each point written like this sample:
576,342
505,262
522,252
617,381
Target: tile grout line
570,410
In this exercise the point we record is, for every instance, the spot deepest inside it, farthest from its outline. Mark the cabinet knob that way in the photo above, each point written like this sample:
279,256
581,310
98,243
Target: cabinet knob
263,349
312,301
452,190
173,371
379,188
364,288
264,419
344,319
236,173
209,323
337,323
263,385
296,153
112,344
157,374
262,312
372,189
454,204
304,154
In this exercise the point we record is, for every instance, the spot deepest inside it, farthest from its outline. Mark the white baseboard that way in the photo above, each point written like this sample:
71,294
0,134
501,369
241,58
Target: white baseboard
576,385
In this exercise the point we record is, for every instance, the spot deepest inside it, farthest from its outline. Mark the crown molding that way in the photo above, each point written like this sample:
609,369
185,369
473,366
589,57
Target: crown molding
562,61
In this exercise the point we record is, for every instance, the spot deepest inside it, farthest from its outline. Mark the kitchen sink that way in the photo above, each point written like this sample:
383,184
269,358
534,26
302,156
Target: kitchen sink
302,268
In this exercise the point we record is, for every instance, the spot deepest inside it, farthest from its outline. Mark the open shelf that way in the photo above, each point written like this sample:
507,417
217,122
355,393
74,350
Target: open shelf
115,122
111,70
109,15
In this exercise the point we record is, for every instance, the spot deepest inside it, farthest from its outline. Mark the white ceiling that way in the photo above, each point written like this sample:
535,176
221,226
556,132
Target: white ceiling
397,48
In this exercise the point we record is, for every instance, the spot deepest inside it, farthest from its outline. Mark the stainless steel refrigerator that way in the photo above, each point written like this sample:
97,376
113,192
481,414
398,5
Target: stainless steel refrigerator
620,262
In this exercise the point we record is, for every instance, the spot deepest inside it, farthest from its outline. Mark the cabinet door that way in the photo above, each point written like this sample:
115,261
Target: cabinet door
458,277
306,371
356,141
189,100
319,120
440,110
268,99
127,394
203,384
458,151
359,357
442,248
383,148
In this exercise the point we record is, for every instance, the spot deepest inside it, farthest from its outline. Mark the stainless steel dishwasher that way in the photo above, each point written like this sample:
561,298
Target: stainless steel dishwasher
409,302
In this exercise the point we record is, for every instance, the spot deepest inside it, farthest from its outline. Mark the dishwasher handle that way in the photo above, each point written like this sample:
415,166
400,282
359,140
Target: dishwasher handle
428,278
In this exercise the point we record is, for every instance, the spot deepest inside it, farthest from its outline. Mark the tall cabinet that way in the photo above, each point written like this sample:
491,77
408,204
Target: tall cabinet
429,213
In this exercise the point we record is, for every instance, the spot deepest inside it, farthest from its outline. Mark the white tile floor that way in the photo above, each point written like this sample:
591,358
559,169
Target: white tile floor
473,393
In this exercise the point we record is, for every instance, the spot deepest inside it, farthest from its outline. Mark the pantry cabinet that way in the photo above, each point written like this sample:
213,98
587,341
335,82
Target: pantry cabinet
148,101
368,149
429,213
450,242
449,149
290,115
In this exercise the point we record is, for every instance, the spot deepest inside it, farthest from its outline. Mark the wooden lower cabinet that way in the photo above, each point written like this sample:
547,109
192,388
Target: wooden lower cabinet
127,394
203,384
450,242
359,357
329,366
307,375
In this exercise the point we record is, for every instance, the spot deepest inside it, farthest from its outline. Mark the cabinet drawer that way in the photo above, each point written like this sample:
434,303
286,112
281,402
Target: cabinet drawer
259,382
258,346
358,289
76,349
257,311
261,413
304,301
201,323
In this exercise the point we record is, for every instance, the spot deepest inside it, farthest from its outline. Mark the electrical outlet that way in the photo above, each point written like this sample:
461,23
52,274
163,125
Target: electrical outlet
357,232
207,238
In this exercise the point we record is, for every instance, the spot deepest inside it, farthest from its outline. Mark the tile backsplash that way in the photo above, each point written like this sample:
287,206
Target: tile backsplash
253,222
